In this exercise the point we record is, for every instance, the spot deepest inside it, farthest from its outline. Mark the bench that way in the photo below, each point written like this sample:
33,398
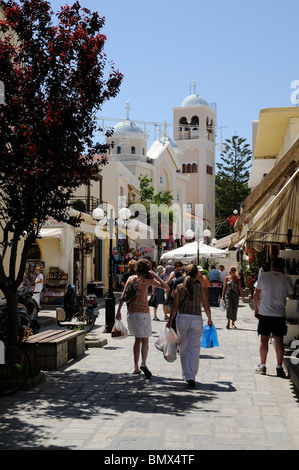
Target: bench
51,349
61,319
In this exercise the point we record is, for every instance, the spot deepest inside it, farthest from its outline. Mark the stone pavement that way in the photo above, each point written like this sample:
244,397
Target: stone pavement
96,403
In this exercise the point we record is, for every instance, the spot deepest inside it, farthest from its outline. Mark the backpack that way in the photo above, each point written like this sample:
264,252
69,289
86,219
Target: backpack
132,291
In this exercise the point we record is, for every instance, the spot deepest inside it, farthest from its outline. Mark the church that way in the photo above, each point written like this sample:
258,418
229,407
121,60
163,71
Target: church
183,164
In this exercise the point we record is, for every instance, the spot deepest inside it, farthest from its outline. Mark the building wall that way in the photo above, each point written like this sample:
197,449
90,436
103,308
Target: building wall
197,146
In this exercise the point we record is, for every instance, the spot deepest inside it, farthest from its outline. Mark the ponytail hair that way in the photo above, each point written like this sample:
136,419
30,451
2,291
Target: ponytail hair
191,273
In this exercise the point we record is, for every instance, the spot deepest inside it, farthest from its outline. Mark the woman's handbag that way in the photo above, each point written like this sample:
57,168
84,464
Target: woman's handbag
152,301
132,291
209,337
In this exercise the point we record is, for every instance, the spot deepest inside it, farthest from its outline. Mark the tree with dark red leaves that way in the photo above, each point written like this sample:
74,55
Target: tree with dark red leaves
53,74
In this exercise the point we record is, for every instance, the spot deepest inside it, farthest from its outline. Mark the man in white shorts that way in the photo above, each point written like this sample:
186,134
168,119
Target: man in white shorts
269,298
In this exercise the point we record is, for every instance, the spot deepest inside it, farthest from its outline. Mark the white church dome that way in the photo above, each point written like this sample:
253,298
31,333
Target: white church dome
127,126
193,100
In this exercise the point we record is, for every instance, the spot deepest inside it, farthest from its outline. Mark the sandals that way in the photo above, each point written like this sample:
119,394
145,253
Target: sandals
146,371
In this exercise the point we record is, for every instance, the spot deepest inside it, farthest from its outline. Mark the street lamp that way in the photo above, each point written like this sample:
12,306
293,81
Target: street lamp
99,215
207,234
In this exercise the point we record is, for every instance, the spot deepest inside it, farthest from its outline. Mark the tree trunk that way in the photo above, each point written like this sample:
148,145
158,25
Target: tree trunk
12,308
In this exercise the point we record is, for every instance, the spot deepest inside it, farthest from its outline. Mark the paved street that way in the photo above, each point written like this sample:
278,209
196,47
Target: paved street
96,402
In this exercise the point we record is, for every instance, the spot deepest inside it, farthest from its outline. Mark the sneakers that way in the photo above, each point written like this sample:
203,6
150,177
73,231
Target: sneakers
260,370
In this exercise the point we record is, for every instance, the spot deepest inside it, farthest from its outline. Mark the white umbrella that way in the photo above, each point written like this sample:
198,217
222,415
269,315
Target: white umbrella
190,250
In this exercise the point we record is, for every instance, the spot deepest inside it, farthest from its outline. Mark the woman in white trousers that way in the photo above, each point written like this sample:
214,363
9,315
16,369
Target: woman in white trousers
188,301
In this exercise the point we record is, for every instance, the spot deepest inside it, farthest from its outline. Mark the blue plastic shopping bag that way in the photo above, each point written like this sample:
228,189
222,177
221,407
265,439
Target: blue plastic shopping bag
209,337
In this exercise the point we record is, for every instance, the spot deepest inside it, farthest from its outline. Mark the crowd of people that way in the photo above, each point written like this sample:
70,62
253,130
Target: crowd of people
184,292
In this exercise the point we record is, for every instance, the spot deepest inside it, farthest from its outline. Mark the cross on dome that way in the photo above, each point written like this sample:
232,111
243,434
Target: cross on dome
127,107
194,87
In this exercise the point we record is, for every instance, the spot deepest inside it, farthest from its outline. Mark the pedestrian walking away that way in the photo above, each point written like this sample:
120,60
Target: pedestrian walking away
139,320
213,274
131,271
230,294
173,286
188,301
159,295
269,298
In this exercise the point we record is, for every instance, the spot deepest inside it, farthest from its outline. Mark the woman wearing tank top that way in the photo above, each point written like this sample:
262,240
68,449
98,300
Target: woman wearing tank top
188,302
139,319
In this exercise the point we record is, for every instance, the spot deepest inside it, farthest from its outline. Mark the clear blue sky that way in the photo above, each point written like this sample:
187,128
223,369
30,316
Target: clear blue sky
242,56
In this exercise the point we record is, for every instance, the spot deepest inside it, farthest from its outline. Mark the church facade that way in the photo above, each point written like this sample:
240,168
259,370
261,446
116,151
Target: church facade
183,164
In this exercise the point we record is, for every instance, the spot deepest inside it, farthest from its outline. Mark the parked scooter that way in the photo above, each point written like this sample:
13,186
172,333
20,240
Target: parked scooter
83,308
27,313
25,298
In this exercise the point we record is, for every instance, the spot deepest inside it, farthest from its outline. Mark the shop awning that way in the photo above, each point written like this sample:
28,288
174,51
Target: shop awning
51,232
268,187
190,250
223,242
139,234
279,217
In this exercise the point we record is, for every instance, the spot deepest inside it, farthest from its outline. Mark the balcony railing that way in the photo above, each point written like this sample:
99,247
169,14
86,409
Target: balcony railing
199,134
85,204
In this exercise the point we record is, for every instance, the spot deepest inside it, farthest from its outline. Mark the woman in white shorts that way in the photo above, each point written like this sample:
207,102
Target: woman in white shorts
139,320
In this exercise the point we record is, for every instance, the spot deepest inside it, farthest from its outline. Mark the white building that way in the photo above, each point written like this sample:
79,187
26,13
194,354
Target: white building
184,165
194,124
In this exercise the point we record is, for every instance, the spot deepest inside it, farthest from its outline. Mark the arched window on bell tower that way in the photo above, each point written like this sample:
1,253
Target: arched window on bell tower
194,127
183,128
194,123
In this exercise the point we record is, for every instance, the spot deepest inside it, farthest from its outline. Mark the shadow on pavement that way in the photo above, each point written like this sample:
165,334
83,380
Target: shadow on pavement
86,395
